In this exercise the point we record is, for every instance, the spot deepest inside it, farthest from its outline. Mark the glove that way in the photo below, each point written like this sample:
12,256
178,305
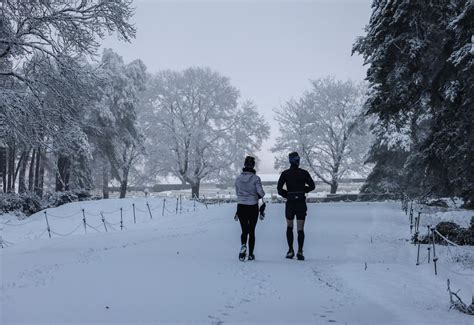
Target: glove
262,211
236,217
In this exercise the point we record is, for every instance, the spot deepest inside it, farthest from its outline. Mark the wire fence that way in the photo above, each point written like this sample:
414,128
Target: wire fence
414,211
166,207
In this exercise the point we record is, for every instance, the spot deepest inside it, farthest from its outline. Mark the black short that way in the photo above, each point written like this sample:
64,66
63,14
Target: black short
296,208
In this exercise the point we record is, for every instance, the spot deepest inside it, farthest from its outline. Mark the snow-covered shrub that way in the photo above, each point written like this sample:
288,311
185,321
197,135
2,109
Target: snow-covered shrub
450,230
468,236
437,203
59,198
27,203
377,196
454,232
10,202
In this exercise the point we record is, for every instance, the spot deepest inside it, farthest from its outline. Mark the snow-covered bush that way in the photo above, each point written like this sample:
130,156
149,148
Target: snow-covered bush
454,232
27,203
59,198
437,203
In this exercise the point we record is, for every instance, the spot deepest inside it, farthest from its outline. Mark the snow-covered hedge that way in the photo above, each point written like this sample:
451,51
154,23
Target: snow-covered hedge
56,199
29,203
454,232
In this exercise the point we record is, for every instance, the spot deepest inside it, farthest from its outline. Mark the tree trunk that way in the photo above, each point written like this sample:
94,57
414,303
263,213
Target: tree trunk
334,186
11,168
22,175
195,189
105,179
41,174
335,175
123,188
31,173
63,173
17,168
3,167
37,171
124,182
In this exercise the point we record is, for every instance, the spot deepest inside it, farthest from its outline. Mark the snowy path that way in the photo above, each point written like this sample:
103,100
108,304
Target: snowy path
186,270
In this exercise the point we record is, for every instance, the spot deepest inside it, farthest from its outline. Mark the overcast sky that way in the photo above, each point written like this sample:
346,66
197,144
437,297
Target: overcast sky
269,49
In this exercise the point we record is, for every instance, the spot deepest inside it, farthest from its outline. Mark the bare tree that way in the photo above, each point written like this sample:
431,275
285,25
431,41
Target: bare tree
325,125
195,128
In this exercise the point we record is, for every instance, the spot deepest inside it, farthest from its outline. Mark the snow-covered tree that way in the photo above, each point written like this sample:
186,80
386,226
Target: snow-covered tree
118,138
420,77
326,127
195,128
42,89
58,31
59,28
55,128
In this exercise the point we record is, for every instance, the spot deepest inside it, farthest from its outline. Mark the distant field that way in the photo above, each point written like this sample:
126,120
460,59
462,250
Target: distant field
212,191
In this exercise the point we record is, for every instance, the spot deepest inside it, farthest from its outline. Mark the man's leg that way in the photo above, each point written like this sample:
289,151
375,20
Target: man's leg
289,227
289,234
300,227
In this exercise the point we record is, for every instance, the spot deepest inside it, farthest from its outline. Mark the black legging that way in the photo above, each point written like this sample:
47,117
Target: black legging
248,217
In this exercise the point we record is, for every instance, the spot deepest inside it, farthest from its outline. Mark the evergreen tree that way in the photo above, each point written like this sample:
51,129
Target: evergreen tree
420,74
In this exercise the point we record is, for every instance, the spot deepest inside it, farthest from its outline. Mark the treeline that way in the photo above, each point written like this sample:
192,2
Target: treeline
60,110
70,122
420,59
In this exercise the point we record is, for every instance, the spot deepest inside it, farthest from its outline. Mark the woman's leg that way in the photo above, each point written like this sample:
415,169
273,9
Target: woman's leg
244,224
253,218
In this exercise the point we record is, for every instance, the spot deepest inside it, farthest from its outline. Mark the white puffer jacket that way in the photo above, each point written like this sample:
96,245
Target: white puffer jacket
248,188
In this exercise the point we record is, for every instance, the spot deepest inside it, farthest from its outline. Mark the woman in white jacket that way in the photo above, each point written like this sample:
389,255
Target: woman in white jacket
248,187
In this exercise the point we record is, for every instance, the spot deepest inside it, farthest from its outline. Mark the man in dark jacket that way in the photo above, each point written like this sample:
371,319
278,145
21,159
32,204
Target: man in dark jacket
298,183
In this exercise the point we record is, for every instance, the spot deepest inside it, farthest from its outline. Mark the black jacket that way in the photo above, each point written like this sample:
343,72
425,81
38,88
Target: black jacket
298,182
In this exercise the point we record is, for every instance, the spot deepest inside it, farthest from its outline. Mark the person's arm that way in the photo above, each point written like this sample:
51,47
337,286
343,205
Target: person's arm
236,187
259,187
281,182
310,183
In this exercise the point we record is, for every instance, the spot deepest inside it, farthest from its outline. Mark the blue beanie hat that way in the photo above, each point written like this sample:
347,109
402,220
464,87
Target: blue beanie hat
294,158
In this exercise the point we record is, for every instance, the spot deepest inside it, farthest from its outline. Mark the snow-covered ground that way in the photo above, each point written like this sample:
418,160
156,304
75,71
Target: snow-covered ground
360,268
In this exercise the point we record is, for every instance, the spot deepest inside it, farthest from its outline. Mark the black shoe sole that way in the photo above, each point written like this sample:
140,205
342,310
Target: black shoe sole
300,258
